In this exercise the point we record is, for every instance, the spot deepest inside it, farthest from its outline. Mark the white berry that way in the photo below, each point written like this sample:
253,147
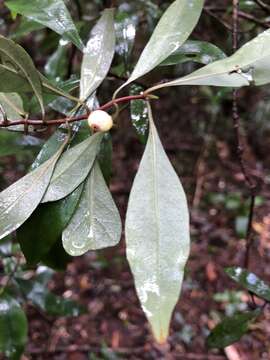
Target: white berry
100,120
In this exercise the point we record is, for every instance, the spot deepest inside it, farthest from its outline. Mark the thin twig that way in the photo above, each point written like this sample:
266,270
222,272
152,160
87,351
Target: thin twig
106,106
236,120
263,6
249,17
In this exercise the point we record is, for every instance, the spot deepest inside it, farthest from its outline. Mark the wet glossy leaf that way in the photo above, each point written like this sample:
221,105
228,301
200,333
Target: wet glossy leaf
42,230
199,51
172,31
57,64
231,329
249,65
13,328
249,281
73,168
139,114
20,199
96,223
36,292
98,54
125,28
14,54
157,234
51,13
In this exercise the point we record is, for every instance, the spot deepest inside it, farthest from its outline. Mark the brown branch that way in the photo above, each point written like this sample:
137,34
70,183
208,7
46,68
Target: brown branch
211,10
251,185
263,6
108,105
249,17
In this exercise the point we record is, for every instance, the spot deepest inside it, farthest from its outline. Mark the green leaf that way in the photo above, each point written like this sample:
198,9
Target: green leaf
13,327
42,230
14,81
51,13
96,223
73,168
202,52
57,64
19,58
231,329
36,292
126,21
57,258
98,54
171,32
157,234
25,27
50,147
13,106
20,199
249,65
250,282
139,114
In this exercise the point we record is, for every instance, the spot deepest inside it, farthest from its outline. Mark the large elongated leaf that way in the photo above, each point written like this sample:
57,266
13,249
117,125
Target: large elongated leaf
157,234
96,223
51,13
19,200
249,65
73,168
98,54
231,329
171,32
250,281
17,56
13,327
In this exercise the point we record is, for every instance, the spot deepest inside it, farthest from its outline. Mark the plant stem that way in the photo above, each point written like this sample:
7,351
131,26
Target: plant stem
251,185
106,106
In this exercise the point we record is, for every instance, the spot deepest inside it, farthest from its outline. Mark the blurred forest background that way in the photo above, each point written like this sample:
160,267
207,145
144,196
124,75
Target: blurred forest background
196,128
